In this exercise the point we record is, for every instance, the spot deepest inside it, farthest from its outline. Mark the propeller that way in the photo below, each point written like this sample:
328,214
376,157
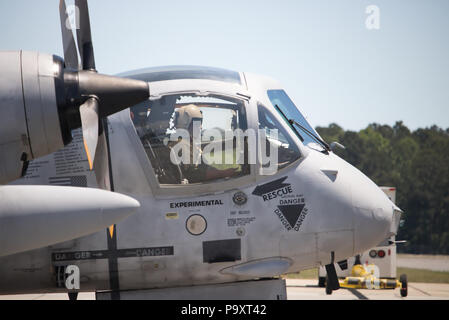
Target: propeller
70,54
90,124
89,96
84,36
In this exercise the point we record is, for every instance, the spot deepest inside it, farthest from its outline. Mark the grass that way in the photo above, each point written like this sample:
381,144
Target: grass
413,275
305,274
421,275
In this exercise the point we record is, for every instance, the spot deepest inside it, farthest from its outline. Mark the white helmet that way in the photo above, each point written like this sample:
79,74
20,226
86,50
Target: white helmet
186,114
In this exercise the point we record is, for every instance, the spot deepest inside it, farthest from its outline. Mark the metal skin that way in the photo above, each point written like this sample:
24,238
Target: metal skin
29,126
40,103
53,214
346,214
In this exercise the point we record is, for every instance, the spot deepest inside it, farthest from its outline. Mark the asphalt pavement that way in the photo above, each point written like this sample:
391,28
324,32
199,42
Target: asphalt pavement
298,289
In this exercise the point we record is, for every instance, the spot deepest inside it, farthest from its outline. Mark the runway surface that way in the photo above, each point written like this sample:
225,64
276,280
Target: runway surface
298,289
308,290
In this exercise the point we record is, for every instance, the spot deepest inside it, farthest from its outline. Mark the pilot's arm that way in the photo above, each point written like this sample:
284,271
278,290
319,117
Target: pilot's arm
204,172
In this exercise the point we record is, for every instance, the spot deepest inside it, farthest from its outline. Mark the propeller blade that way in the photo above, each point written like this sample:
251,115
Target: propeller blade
70,53
84,36
105,94
89,123
101,164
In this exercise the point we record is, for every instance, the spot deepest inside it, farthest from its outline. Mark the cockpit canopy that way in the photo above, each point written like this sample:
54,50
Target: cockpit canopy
167,73
193,134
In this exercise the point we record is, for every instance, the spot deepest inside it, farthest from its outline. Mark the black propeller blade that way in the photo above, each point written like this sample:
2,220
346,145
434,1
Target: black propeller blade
70,53
84,36
90,96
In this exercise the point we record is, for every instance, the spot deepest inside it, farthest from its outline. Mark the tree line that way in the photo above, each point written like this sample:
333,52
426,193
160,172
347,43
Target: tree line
417,164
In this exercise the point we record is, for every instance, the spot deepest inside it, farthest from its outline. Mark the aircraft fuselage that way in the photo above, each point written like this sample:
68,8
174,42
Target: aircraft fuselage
315,208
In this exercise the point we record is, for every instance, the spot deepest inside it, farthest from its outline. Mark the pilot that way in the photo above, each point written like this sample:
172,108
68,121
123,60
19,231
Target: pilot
139,118
186,117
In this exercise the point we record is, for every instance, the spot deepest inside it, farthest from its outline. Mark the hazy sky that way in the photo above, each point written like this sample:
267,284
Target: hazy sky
332,66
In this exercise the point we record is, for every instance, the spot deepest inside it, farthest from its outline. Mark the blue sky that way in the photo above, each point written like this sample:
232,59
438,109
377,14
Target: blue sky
332,66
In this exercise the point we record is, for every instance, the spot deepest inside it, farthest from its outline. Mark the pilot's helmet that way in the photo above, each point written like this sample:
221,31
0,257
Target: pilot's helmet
185,115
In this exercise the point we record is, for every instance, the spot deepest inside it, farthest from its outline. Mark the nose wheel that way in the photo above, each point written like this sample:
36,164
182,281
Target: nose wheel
331,276
321,282
73,295
328,286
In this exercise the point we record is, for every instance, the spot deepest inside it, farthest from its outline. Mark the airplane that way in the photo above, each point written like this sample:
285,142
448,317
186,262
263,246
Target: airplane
155,212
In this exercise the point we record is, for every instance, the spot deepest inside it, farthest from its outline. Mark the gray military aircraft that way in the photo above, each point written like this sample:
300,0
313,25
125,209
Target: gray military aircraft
214,183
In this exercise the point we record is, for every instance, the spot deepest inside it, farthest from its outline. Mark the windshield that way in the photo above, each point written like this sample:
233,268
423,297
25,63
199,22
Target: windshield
188,138
280,99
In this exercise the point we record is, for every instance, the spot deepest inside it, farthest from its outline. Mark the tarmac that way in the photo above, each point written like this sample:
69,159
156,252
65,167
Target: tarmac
302,289
299,289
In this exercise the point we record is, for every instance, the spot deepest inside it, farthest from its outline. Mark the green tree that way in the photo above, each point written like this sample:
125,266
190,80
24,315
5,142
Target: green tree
417,164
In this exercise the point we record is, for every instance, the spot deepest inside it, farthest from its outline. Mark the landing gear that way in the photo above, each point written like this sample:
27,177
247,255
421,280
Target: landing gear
73,295
321,282
331,278
328,287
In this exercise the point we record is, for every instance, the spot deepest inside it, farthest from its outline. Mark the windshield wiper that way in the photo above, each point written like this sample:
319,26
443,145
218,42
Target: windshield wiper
292,122
285,118
322,142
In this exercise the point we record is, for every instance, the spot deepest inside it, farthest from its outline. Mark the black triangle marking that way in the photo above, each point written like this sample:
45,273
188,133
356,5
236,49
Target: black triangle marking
292,212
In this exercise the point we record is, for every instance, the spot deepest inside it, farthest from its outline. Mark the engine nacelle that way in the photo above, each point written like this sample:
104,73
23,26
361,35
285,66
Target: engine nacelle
31,84
40,103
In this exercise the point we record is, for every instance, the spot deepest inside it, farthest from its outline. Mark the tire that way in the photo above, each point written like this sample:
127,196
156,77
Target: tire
328,287
73,295
321,282
403,281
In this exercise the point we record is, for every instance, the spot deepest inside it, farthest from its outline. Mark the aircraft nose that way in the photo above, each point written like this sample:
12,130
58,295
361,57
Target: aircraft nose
374,214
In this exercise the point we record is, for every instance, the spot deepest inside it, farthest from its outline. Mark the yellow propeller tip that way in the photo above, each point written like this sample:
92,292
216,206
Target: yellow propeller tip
89,159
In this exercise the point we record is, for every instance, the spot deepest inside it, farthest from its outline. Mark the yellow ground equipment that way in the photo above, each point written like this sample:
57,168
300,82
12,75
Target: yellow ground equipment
363,277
